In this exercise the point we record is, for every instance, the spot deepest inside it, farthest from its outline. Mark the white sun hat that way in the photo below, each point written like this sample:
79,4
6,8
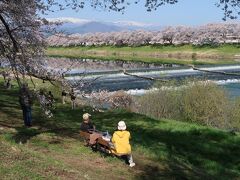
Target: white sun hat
86,116
121,125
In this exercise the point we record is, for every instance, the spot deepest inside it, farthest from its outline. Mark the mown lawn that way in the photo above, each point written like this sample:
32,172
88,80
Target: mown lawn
186,54
162,149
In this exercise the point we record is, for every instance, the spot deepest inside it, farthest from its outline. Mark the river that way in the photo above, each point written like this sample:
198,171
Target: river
108,75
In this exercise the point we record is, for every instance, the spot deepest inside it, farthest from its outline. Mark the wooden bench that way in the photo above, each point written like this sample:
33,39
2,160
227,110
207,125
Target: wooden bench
85,136
100,145
90,137
104,146
107,148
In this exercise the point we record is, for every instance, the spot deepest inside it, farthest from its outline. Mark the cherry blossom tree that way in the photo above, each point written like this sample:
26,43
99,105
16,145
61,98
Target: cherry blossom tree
22,31
210,34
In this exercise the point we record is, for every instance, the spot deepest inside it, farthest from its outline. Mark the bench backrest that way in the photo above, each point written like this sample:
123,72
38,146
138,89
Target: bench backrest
102,142
85,135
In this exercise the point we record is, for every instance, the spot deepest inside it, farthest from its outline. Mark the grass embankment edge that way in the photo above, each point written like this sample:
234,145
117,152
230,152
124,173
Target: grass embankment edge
187,54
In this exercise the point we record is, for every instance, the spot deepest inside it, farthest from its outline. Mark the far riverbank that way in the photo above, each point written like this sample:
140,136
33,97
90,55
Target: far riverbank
187,54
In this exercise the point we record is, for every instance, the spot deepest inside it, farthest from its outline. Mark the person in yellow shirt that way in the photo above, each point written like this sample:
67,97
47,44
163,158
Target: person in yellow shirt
121,143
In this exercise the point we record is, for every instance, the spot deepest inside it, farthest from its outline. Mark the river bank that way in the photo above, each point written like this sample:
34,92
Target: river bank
187,54
52,149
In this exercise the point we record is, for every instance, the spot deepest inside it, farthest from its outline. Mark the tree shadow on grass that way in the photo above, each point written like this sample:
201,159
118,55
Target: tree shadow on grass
189,154
172,172
65,123
24,134
195,154
9,107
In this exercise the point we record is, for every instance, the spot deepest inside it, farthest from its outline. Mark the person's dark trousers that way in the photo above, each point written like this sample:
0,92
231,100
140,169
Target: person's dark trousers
27,115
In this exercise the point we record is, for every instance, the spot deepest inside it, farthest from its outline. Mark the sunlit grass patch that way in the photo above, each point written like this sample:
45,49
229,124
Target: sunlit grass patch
52,148
186,54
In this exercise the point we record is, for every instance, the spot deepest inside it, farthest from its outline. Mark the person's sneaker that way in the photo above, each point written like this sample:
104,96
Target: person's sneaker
132,164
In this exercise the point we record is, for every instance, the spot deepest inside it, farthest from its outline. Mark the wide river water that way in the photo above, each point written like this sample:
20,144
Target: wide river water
108,75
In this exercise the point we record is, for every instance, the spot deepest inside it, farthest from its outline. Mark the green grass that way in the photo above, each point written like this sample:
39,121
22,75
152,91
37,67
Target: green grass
165,149
185,54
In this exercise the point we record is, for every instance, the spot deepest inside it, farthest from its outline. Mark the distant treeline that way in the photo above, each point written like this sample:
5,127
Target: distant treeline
210,34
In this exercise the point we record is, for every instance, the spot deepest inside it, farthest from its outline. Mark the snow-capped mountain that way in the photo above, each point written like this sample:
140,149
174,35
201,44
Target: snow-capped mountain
75,25
69,20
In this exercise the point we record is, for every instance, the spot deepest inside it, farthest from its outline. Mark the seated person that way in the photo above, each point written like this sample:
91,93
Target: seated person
87,124
121,143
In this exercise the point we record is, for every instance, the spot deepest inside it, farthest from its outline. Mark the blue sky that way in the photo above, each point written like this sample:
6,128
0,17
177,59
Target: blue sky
185,12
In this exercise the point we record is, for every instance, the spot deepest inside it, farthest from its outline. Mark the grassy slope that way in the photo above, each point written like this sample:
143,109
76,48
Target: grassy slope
161,148
163,54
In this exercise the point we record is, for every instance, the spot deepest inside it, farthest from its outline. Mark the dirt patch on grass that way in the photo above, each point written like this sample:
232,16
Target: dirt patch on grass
61,173
93,166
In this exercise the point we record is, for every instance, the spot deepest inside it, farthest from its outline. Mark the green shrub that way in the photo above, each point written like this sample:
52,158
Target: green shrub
203,103
160,104
235,114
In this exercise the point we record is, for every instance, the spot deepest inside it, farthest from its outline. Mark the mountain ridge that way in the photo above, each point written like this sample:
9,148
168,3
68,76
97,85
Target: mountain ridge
83,26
